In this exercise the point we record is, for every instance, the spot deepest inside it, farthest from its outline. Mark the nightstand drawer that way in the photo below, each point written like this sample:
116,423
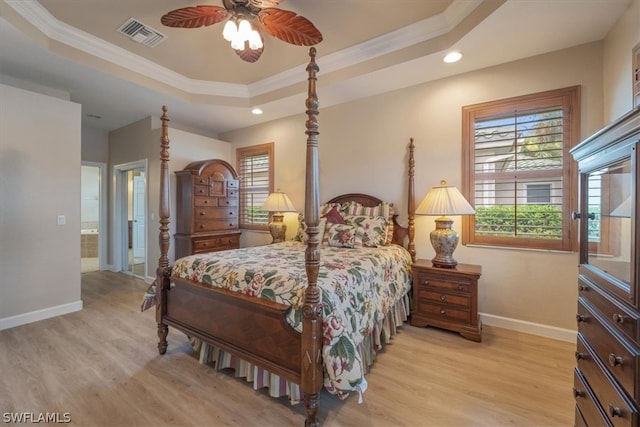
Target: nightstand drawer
445,298
444,312
435,281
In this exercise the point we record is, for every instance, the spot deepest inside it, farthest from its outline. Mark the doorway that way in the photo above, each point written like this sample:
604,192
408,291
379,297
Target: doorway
93,216
130,240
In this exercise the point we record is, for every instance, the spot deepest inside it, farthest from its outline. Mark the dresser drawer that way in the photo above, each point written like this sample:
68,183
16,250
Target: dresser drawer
626,320
203,201
215,225
218,243
201,190
215,213
620,356
436,281
586,403
443,312
227,201
618,409
444,298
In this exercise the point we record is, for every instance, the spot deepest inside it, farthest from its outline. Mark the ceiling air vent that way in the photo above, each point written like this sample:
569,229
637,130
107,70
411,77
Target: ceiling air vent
141,33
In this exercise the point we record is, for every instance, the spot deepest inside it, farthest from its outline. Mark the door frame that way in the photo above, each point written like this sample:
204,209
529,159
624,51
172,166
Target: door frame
120,224
102,213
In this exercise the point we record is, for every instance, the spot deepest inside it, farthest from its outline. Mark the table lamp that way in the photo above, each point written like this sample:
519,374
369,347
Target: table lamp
278,202
442,201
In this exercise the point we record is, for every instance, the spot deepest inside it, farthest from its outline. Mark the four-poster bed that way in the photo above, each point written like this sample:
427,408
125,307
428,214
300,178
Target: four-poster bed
282,335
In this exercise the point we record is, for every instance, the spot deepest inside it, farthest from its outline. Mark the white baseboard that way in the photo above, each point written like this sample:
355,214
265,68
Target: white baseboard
34,316
547,331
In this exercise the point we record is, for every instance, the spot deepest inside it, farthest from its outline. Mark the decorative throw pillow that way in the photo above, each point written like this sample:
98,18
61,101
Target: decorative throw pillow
333,216
384,209
301,235
344,236
374,229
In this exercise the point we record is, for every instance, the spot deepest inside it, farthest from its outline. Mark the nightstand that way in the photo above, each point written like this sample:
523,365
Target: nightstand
447,298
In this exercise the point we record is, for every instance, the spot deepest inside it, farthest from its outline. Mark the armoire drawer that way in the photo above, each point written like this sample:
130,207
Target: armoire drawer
215,225
618,408
586,402
624,319
620,356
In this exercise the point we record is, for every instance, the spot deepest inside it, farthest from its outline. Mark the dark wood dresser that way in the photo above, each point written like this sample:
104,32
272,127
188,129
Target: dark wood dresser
207,208
447,298
607,375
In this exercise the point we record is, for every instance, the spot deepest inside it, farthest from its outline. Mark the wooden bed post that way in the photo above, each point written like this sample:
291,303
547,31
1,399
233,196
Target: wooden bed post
164,271
412,203
312,309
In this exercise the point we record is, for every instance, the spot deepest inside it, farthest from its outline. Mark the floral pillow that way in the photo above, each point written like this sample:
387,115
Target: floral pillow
384,209
374,229
344,236
301,235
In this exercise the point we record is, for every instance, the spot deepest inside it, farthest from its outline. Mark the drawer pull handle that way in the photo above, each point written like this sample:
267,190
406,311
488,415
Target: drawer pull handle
580,356
618,318
202,213
583,288
580,318
615,411
577,393
204,245
615,360
426,282
461,288
201,225
443,297
206,202
443,311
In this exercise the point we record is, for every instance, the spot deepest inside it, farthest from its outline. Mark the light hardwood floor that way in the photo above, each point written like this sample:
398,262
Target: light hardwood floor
101,366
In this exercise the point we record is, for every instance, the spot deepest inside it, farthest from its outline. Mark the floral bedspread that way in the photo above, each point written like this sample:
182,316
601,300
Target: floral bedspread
358,287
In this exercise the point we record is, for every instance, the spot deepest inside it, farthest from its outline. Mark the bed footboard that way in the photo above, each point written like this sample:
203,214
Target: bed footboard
252,328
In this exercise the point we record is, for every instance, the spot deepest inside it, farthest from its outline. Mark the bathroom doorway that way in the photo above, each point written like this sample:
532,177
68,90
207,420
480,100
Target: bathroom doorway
92,216
130,215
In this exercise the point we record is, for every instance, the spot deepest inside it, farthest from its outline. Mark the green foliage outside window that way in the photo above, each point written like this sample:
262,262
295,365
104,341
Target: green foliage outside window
529,221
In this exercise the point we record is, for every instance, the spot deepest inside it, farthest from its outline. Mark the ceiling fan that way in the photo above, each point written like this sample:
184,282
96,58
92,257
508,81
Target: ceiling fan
246,40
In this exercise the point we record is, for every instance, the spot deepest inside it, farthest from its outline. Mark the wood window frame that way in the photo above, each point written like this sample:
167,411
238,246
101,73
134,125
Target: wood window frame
241,154
569,99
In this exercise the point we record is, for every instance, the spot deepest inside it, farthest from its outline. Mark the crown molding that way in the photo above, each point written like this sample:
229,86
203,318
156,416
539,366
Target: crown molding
38,16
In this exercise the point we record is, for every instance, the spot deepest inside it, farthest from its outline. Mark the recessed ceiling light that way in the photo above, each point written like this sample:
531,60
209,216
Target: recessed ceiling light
256,111
452,57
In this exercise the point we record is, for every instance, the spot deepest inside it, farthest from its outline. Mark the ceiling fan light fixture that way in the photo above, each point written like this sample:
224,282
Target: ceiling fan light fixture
255,41
230,30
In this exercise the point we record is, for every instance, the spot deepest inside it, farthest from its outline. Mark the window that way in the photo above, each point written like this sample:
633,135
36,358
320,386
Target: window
255,172
518,173
539,193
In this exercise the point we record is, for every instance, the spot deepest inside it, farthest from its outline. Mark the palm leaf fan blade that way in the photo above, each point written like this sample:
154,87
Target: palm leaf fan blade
194,16
249,55
289,27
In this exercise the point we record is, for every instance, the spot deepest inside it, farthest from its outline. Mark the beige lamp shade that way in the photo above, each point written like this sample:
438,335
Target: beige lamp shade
443,201
278,202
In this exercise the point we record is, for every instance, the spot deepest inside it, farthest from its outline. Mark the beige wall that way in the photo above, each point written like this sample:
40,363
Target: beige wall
618,63
363,148
140,141
39,180
95,145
